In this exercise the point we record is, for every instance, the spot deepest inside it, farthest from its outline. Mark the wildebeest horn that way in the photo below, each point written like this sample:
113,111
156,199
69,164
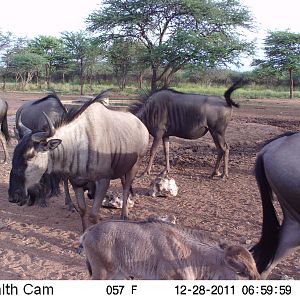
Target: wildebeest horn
39,136
23,130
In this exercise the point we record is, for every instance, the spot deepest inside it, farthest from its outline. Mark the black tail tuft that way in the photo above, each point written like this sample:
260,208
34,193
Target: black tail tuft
228,93
264,251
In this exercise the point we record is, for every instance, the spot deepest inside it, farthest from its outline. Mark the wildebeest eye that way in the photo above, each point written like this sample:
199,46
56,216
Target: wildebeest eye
30,154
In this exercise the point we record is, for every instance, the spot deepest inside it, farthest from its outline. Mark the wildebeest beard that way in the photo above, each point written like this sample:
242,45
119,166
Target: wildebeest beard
16,191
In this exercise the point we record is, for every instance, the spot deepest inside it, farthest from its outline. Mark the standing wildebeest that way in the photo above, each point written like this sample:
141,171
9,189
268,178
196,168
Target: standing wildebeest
30,116
93,145
169,113
278,170
4,134
118,249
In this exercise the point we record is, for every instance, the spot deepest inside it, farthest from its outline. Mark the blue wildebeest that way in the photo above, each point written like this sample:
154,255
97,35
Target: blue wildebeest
118,249
4,134
277,171
29,117
94,144
31,114
190,116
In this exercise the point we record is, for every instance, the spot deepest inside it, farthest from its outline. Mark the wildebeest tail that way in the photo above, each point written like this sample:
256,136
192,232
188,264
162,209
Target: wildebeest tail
4,127
228,93
264,251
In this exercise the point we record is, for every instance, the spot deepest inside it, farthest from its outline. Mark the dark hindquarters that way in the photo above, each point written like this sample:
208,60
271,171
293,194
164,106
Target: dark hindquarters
4,134
264,251
4,127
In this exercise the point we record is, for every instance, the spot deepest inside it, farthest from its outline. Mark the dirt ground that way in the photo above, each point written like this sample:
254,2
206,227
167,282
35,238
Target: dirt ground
40,243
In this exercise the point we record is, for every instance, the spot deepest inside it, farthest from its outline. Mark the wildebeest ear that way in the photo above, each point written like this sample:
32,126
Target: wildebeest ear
241,261
53,143
237,265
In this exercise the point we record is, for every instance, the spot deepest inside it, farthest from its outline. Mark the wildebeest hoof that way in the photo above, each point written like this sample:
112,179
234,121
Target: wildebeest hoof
93,219
80,250
72,208
43,204
224,177
164,173
216,174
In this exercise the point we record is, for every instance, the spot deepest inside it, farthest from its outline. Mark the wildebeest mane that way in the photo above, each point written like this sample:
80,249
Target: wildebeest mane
145,96
188,232
74,113
142,102
50,95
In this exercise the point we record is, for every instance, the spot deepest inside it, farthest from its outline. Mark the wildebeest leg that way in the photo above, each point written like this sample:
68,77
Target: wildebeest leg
153,151
289,240
223,151
68,200
123,180
166,144
129,177
101,189
81,205
3,142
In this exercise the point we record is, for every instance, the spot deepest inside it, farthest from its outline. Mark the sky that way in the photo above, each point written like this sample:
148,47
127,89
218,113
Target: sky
30,18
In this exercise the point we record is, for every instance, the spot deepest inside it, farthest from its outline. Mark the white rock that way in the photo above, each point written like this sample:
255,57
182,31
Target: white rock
112,200
163,186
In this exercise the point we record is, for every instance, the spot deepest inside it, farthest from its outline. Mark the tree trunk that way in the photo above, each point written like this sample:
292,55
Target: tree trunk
47,69
4,83
291,84
154,79
81,77
140,80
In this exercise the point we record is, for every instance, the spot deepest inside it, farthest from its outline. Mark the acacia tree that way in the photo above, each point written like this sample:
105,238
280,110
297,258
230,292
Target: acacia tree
282,51
81,49
5,39
51,48
176,32
125,56
24,65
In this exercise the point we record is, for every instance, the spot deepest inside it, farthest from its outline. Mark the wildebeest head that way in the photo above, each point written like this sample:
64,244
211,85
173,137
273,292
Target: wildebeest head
30,161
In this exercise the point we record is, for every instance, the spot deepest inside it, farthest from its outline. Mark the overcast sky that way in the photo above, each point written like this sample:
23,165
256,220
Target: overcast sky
50,17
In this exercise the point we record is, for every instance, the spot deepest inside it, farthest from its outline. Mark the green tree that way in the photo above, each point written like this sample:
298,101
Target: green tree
5,39
51,48
282,52
124,56
15,45
176,32
82,49
24,65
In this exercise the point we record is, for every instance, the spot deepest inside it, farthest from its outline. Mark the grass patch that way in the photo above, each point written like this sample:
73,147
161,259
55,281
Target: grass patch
246,92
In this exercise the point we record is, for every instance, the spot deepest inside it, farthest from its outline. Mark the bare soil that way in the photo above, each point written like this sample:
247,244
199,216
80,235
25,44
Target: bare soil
40,243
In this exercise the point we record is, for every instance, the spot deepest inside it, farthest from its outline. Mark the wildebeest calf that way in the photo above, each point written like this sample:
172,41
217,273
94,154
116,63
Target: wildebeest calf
118,249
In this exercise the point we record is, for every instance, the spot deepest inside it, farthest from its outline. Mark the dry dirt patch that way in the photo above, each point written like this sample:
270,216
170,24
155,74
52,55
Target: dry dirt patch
40,243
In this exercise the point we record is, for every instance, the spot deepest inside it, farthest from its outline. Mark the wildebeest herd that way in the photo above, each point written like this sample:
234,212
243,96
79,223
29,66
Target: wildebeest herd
92,145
